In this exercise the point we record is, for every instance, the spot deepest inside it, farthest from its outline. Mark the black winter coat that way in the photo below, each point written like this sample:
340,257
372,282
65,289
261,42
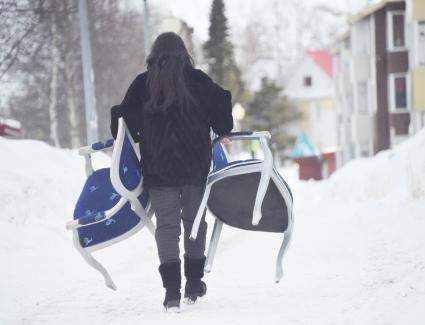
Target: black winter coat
175,146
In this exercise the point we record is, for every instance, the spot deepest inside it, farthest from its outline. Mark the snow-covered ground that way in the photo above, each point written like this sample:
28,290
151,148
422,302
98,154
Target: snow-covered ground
357,255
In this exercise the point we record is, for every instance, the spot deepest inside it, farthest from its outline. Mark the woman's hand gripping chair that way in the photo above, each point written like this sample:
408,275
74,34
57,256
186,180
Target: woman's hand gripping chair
112,205
248,194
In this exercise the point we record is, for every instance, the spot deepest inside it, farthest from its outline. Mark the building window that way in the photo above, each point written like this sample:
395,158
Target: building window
346,43
352,151
349,98
396,31
362,97
420,43
361,34
307,81
364,149
398,92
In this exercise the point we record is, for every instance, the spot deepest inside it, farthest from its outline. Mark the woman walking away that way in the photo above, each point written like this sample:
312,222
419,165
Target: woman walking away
169,110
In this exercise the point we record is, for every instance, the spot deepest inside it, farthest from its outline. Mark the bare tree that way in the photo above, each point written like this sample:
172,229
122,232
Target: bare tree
18,21
53,98
44,59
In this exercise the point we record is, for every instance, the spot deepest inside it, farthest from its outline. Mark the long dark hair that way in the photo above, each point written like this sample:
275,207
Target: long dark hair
168,64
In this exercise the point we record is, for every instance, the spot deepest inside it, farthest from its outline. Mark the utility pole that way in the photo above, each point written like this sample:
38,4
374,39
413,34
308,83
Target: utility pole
146,31
88,75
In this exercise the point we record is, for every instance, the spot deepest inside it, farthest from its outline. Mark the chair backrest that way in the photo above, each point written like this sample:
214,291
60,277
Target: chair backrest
126,173
219,157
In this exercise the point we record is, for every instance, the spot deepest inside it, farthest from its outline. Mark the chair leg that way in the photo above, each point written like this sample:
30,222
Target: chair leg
263,184
215,236
94,263
283,248
150,213
199,214
137,207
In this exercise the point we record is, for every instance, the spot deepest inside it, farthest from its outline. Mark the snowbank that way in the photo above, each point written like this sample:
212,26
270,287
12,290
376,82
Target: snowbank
372,220
356,257
398,173
38,188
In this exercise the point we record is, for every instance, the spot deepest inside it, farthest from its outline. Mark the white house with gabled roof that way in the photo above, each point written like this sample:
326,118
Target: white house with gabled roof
310,88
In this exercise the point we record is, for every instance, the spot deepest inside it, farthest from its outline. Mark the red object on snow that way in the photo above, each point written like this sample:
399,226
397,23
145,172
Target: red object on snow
328,163
323,59
309,168
10,128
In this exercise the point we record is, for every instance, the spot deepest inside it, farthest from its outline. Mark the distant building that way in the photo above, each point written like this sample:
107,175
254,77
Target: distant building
310,88
415,22
374,80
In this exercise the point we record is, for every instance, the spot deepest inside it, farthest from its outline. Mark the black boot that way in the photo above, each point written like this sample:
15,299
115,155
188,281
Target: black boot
194,271
171,280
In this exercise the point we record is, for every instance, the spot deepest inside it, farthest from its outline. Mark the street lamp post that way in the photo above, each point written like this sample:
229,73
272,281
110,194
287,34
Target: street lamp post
146,31
88,75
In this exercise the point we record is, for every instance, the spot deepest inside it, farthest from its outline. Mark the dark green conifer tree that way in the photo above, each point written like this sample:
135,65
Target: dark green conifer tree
270,110
219,53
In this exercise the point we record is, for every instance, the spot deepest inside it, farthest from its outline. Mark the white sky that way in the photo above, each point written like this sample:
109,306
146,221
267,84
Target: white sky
196,12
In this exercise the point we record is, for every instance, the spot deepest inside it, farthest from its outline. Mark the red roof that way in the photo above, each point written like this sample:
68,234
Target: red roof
323,59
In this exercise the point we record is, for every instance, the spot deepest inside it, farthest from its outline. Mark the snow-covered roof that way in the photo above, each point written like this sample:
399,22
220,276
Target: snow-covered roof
10,122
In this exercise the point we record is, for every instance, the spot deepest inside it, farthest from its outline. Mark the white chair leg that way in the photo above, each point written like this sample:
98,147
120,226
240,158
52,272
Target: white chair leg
215,236
150,213
283,248
94,263
199,214
137,207
263,184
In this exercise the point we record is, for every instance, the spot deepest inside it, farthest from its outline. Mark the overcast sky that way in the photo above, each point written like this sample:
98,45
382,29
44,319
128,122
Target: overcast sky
196,12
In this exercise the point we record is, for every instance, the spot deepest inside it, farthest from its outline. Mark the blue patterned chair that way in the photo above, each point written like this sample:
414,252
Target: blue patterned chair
246,194
112,205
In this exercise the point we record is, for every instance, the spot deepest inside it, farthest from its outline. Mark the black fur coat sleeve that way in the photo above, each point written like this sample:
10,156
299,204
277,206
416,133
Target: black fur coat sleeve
130,109
220,108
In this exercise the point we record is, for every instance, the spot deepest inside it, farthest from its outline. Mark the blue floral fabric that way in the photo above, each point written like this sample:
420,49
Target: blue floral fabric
101,232
98,196
130,173
219,157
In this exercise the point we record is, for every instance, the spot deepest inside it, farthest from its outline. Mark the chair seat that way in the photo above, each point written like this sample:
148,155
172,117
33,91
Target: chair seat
234,206
119,224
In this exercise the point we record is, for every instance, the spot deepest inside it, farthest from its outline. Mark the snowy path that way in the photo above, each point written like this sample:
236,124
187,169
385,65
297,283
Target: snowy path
351,261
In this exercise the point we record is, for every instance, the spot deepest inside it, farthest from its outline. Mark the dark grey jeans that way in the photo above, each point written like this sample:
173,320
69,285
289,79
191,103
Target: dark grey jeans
171,205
